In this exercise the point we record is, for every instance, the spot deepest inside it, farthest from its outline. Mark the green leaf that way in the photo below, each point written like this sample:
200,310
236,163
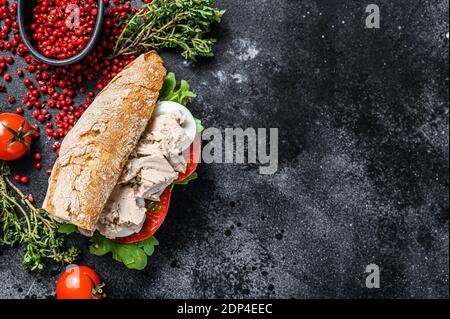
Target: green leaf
186,181
148,245
200,127
183,94
168,92
131,255
68,229
100,245
168,87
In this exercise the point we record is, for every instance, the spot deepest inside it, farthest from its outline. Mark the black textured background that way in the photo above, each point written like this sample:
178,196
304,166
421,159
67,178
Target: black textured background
363,176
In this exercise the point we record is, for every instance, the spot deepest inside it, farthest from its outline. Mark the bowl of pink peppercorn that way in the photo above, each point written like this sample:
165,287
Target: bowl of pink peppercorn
60,32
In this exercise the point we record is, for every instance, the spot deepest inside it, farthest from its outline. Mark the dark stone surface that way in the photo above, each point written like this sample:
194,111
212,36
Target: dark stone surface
363,176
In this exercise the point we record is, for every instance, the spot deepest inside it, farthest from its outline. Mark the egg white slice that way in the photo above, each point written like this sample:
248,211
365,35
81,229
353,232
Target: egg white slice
164,107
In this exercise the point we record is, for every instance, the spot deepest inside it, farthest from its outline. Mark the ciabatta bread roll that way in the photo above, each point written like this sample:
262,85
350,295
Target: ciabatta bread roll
94,153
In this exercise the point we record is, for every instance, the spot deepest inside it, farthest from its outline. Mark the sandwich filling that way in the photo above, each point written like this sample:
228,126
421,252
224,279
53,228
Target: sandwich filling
152,167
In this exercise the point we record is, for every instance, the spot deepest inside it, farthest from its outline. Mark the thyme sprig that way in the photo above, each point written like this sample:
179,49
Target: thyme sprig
22,223
183,24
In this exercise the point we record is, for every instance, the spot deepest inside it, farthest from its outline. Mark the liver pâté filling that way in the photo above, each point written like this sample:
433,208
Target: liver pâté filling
153,165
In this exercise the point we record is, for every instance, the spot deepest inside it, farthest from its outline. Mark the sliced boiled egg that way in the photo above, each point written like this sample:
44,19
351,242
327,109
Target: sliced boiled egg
124,232
165,107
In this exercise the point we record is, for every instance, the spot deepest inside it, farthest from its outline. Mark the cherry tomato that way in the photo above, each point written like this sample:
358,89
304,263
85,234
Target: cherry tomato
152,223
79,282
15,136
192,159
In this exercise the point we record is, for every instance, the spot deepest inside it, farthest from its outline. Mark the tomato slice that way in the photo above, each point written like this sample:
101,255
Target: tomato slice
152,222
192,157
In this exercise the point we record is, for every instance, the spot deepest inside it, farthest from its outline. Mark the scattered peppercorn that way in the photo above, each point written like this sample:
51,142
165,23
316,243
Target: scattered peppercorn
50,87
24,179
11,99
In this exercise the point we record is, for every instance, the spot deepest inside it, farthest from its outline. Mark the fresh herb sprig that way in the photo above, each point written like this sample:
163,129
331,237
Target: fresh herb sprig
183,24
22,223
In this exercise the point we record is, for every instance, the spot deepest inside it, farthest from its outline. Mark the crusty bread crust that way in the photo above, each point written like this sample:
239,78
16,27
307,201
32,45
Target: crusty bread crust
94,153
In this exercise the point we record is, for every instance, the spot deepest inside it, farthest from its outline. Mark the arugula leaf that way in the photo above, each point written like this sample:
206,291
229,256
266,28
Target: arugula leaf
186,181
68,229
148,245
100,245
133,256
183,93
198,124
168,86
169,92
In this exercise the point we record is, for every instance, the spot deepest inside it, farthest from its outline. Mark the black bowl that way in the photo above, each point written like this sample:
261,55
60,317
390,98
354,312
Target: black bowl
24,16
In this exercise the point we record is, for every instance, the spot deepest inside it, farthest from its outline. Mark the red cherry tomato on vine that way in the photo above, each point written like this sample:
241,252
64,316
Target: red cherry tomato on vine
15,136
79,282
